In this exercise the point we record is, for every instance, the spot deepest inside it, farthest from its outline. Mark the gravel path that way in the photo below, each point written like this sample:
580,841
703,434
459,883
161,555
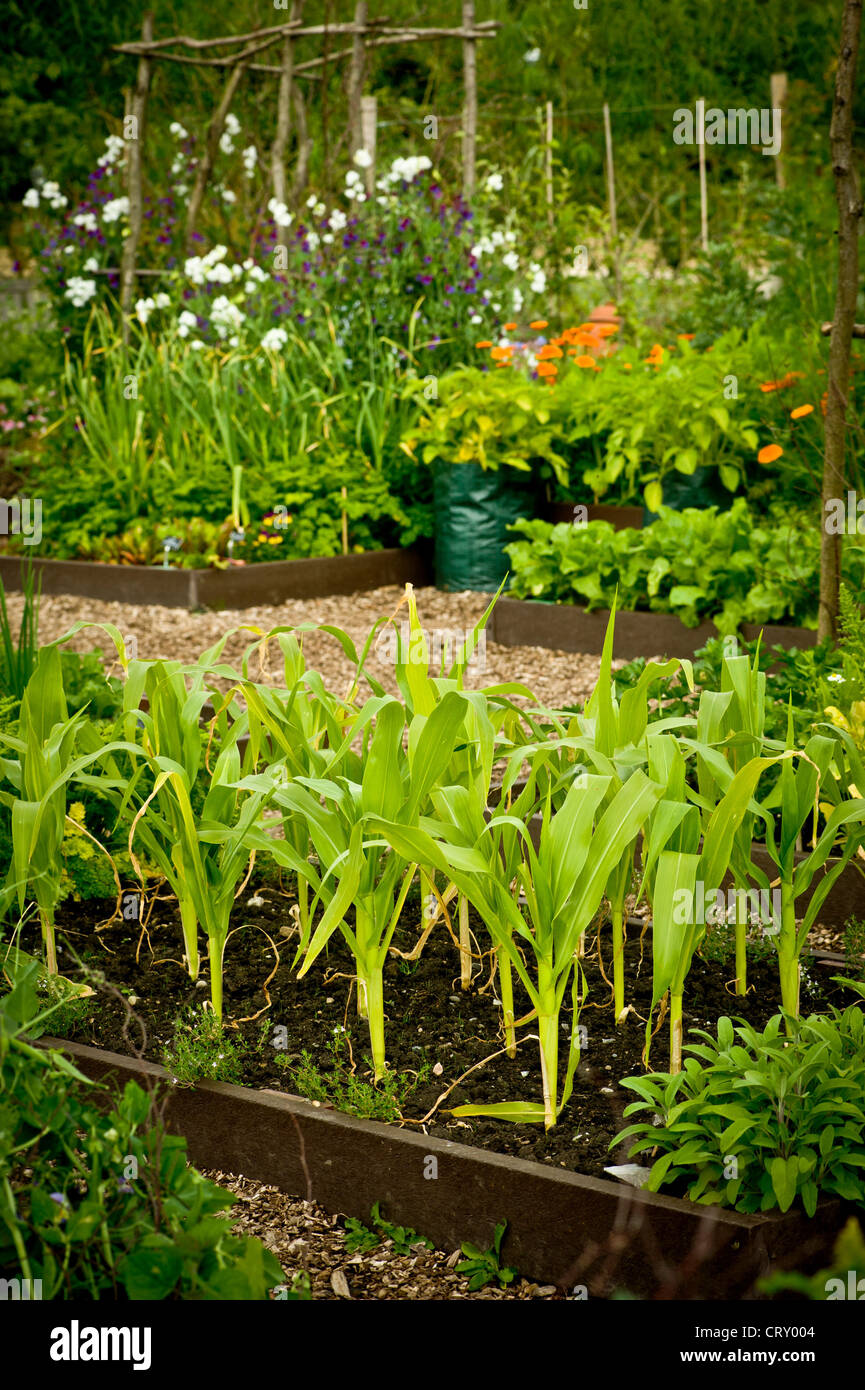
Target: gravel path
556,678
305,1239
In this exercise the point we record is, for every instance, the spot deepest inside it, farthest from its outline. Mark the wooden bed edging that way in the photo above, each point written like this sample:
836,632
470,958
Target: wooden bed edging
245,586
566,627
563,1228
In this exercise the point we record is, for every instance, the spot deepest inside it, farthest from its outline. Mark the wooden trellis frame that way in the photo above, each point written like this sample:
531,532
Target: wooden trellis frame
365,33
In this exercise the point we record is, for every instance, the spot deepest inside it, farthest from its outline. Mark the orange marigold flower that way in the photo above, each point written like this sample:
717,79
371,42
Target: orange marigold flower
538,323
501,354
509,327
687,336
606,330
800,411
627,366
769,453
785,381
550,350
584,361
485,343
547,369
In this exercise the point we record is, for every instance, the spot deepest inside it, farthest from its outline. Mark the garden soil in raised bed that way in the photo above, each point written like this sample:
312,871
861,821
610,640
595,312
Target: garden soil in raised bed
430,1022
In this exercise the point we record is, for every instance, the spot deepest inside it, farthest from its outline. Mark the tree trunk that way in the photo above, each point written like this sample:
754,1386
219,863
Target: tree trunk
849,215
355,78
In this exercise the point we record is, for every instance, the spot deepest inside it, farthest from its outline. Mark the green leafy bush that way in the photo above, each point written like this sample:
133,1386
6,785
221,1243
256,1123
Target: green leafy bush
734,567
100,1205
758,1120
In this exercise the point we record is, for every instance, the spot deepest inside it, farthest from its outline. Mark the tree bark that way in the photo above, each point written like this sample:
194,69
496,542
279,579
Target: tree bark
849,215
470,105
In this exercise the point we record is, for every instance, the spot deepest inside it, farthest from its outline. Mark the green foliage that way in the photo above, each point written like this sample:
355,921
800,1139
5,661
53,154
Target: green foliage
733,567
202,1049
832,1283
18,654
338,1085
492,419
759,1120
100,1205
359,1237
485,1266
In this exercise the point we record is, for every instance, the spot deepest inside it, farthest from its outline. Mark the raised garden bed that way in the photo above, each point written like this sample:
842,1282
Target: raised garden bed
620,518
569,1224
569,628
563,1228
244,586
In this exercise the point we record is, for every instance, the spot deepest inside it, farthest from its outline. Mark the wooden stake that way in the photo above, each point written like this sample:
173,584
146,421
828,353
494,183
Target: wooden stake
283,122
704,199
548,163
470,106
344,522
778,89
205,163
304,145
849,201
135,107
611,196
355,77
368,125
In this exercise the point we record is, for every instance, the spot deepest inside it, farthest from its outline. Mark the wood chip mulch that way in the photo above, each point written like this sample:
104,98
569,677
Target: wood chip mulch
306,1240
556,678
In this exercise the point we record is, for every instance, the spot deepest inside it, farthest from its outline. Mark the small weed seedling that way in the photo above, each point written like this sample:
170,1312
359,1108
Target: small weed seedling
485,1266
359,1237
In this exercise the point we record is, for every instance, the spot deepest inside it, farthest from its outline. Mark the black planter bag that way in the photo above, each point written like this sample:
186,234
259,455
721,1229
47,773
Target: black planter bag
473,508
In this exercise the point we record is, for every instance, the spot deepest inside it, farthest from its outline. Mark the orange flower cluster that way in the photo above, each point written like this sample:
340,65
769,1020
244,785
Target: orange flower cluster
656,355
581,343
789,380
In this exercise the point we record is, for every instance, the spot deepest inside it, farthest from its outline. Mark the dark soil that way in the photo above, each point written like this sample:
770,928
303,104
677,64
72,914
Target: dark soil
432,1027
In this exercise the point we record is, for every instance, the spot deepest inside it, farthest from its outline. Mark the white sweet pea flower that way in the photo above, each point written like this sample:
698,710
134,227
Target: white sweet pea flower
511,261
143,309
79,290
185,323
225,316
91,264
532,56
495,183
197,343
352,177
250,160
118,207
280,213
274,339
232,124
337,220
176,129
228,196
31,198
114,148
161,300
85,220
226,144
363,159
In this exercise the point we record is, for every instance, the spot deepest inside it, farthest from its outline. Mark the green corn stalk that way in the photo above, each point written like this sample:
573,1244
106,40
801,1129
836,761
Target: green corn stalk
611,736
47,761
805,777
356,868
563,882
